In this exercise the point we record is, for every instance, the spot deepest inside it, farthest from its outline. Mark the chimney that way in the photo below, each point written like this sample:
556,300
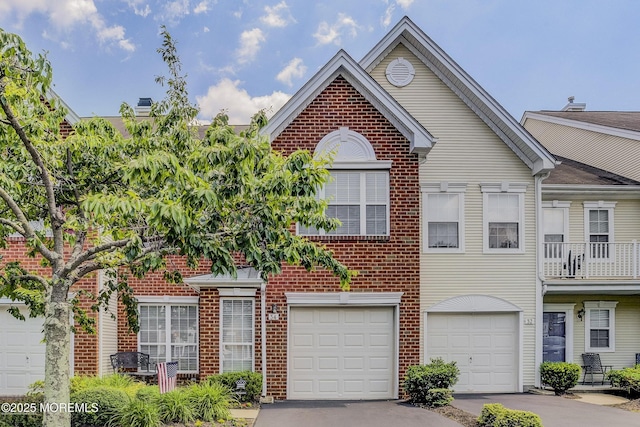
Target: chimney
574,106
144,107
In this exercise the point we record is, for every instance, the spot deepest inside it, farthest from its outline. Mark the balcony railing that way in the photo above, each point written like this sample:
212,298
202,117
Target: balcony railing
591,260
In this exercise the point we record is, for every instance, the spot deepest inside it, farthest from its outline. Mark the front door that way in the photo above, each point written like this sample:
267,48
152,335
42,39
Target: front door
554,337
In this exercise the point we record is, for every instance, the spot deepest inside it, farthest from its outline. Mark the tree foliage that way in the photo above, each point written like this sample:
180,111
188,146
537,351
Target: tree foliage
100,200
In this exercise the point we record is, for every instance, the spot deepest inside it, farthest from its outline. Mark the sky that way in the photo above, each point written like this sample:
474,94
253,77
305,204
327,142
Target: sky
243,55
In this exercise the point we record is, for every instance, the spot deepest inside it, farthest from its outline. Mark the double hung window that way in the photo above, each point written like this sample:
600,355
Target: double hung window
503,217
170,333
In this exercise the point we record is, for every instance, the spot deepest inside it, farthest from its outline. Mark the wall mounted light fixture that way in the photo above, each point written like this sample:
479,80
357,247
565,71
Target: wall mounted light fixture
274,308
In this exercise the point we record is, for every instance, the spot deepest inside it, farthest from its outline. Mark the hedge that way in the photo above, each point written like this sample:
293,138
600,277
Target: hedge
419,379
627,378
253,388
496,415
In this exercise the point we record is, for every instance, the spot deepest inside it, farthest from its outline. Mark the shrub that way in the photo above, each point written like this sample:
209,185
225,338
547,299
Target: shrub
422,378
34,419
253,389
437,397
496,415
561,376
210,401
109,400
148,393
627,378
489,413
515,418
138,413
175,406
120,381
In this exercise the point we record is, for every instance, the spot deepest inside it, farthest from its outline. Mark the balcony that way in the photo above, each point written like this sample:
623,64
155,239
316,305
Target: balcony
591,260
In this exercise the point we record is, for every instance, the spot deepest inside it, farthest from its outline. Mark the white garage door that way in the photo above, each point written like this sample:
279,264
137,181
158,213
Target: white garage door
21,352
341,353
484,346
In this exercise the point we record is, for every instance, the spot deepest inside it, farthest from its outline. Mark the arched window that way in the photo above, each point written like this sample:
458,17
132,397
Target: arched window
358,191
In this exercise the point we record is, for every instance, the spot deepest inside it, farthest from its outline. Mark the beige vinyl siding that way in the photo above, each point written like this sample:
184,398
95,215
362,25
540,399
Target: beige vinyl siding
468,152
108,335
626,226
613,153
626,328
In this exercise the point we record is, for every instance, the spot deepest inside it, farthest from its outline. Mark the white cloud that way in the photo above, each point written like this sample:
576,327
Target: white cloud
238,104
333,33
140,7
388,15
64,15
173,11
404,3
206,30
294,69
278,15
250,44
201,7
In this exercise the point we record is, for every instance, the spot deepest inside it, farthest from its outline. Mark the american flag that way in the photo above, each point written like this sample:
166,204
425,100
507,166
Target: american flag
167,376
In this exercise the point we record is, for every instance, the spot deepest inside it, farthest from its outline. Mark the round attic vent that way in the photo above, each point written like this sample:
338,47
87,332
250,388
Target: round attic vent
400,72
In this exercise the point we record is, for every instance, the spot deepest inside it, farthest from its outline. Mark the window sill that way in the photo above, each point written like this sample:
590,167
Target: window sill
337,238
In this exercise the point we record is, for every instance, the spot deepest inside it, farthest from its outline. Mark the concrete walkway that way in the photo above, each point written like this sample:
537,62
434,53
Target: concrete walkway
249,415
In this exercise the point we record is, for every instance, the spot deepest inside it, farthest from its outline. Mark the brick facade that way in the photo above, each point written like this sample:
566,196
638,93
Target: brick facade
384,264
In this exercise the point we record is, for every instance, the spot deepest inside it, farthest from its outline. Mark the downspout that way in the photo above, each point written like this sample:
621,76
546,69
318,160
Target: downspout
540,291
263,332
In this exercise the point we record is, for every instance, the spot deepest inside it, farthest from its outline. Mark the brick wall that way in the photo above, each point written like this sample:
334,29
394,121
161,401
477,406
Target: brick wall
384,265
85,345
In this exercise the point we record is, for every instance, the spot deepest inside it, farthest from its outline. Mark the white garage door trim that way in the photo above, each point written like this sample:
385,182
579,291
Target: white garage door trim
348,299
481,304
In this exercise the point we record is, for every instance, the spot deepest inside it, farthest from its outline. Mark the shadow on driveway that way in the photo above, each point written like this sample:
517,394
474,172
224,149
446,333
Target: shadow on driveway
555,411
361,413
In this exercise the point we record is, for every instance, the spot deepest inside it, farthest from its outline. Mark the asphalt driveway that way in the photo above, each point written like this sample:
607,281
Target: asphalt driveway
555,411
308,413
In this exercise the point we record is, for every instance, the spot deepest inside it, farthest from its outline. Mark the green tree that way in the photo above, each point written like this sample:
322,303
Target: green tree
124,204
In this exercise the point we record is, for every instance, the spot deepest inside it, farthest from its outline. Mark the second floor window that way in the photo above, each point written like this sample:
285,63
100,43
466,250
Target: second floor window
360,200
599,228
443,216
504,217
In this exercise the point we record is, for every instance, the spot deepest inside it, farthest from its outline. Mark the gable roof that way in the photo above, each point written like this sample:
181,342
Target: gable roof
525,146
343,65
625,124
71,117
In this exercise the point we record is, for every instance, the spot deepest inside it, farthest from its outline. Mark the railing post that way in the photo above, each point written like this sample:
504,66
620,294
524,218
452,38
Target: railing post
587,257
634,262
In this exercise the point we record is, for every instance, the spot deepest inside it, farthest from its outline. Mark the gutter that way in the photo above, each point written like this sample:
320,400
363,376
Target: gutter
540,290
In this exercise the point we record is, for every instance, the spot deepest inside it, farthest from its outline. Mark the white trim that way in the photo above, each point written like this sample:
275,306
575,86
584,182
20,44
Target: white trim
348,299
237,292
567,309
378,164
600,305
607,130
343,298
473,304
397,78
348,145
444,188
253,330
513,188
167,299
603,206
363,203
174,301
555,204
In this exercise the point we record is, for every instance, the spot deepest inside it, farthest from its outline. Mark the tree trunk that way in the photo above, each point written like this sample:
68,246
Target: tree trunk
57,330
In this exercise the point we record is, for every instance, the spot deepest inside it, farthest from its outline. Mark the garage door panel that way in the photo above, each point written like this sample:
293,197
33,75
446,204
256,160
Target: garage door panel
22,352
483,345
352,357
